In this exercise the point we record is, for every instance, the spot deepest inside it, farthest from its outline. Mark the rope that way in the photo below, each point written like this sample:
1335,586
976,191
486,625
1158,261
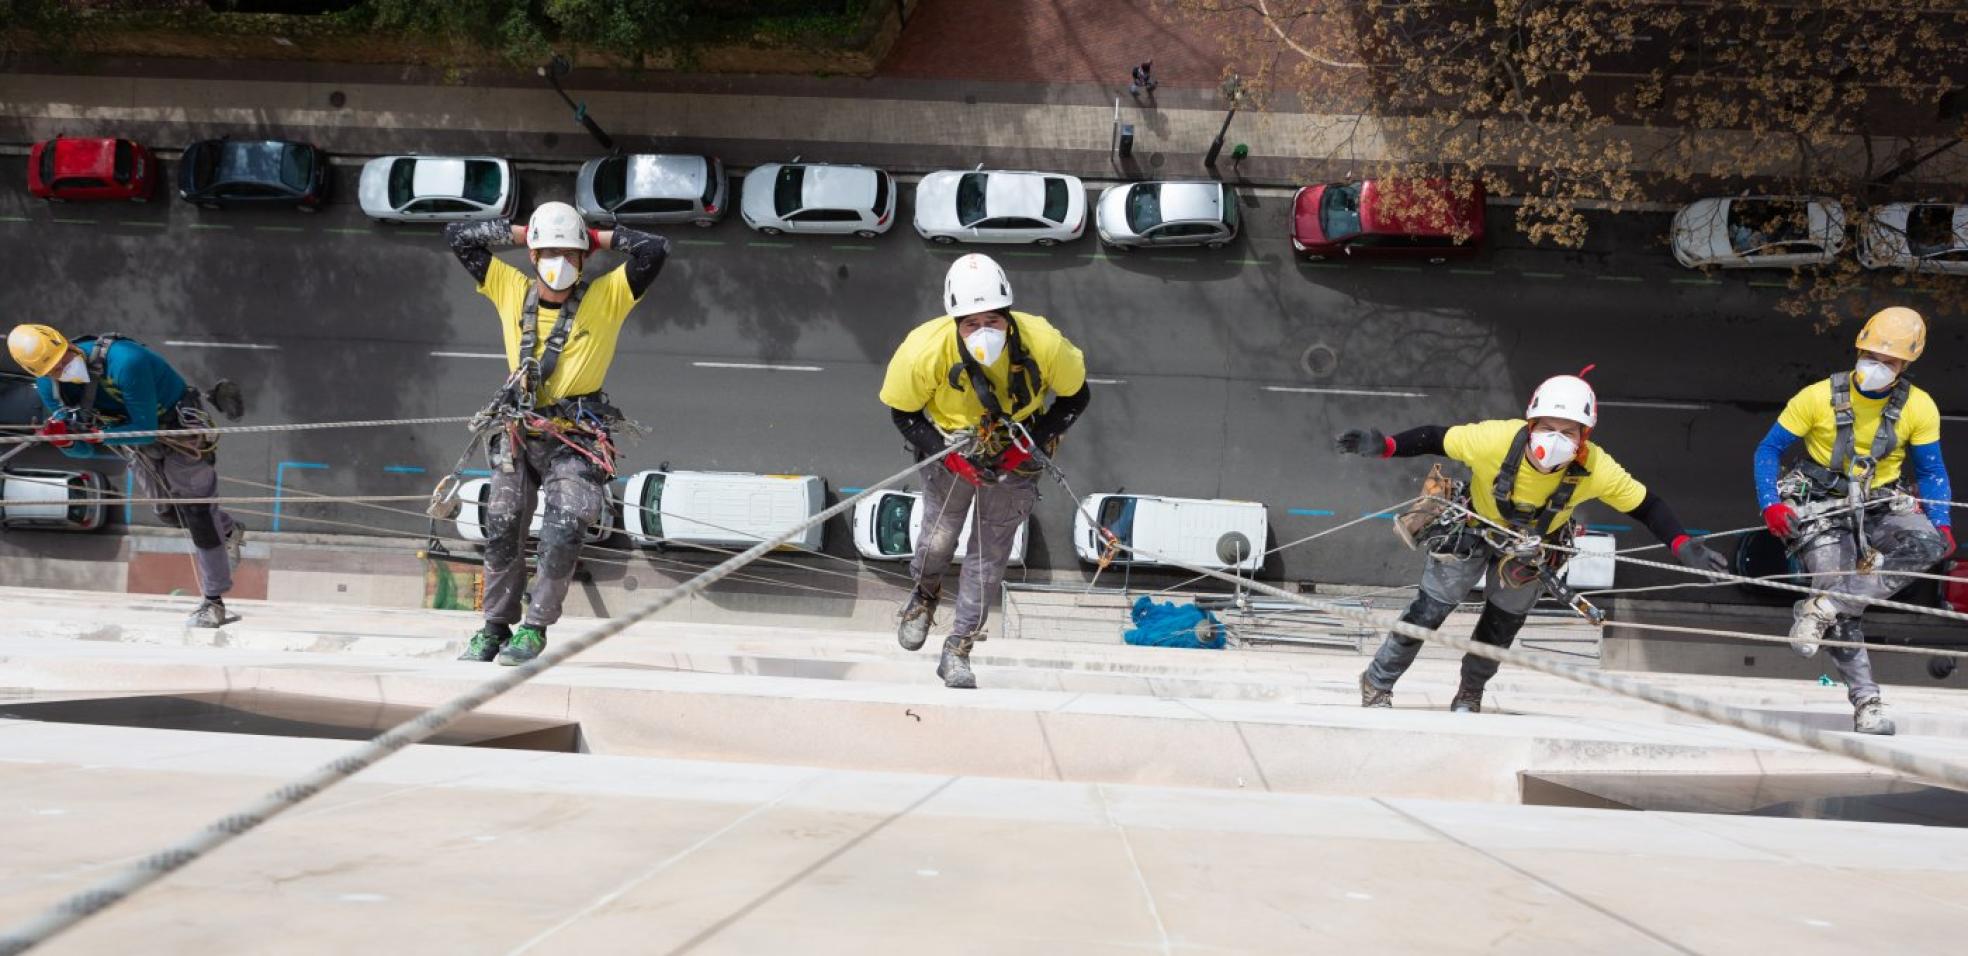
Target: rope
1747,636
233,430
121,885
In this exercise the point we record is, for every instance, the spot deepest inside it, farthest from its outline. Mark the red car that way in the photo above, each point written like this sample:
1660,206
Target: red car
65,168
1405,219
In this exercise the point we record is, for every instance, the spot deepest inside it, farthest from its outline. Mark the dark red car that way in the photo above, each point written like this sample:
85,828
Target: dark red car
67,168
1433,219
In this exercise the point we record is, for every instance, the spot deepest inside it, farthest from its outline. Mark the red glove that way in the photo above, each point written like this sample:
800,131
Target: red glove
1779,518
963,468
53,427
594,239
1012,458
1947,535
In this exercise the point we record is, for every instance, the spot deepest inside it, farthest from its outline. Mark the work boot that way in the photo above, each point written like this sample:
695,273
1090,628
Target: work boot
917,616
484,645
235,545
527,643
1809,618
1468,700
1371,696
1870,718
954,668
212,613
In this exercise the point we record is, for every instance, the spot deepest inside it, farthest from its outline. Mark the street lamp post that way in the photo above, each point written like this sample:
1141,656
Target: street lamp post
552,72
1233,90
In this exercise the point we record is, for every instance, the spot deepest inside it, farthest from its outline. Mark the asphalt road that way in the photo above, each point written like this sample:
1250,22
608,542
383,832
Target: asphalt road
1220,374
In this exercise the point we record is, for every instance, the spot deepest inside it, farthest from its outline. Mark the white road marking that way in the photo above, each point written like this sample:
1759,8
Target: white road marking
760,366
482,355
1107,381
1954,418
182,344
1670,406
1362,392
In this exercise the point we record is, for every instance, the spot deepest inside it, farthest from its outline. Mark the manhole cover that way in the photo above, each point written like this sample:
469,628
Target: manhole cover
630,583
552,139
1319,360
337,99
1155,160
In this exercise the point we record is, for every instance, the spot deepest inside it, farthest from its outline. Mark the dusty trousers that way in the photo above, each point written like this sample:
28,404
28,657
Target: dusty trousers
1445,581
1001,508
1906,541
162,471
573,489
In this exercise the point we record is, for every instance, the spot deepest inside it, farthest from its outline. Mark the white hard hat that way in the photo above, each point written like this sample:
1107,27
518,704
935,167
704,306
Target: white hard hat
975,284
1567,397
556,225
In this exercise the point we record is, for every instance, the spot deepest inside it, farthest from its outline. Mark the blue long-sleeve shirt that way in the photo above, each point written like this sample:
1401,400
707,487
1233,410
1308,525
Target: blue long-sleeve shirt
1930,472
138,388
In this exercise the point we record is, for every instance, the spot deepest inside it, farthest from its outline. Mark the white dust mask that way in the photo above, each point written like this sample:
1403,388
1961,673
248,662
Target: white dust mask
1872,375
557,272
986,345
1550,451
75,372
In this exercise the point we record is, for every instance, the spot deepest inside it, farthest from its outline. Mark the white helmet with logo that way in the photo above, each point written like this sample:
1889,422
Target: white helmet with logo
557,225
975,284
1567,397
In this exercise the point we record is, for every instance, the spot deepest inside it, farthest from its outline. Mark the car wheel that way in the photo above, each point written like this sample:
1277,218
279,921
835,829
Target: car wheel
304,207
1048,242
704,223
56,199
866,233
139,198
208,205
1438,260
1313,257
1215,244
943,240
772,230
1117,247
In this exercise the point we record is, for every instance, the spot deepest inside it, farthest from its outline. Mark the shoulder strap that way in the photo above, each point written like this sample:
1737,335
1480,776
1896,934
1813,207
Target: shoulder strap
541,368
1537,520
1023,378
1841,419
98,362
1888,434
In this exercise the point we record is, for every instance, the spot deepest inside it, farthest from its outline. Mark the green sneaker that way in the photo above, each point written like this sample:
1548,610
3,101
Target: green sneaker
527,643
483,646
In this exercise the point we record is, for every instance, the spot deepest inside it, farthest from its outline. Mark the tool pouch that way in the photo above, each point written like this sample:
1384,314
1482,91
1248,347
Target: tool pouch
1412,525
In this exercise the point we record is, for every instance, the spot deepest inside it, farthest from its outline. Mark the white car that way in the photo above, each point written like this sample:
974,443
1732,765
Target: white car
475,494
1759,232
1162,214
1916,237
651,188
958,205
818,199
52,500
1196,532
724,509
887,525
437,189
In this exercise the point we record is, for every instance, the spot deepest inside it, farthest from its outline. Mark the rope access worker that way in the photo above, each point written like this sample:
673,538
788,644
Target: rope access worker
550,424
99,386
978,376
1842,507
1529,474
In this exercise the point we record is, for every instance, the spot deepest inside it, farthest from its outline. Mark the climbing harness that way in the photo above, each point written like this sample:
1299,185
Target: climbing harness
1834,497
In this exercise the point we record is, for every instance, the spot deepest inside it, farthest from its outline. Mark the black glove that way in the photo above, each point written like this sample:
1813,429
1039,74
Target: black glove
1701,557
1368,442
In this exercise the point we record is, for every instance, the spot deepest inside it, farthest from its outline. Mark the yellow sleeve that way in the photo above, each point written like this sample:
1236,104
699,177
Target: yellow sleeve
1922,419
906,387
500,278
1481,442
1067,371
1612,483
611,293
1805,408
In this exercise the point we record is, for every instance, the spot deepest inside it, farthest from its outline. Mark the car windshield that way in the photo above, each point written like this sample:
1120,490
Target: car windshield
970,198
483,184
126,160
892,525
297,167
1930,230
1768,227
1144,207
652,506
1117,516
788,191
402,172
1055,199
611,181
250,162
48,160
1339,210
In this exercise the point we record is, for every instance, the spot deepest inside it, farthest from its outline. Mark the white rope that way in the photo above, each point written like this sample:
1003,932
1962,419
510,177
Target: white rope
120,885
88,437
1774,639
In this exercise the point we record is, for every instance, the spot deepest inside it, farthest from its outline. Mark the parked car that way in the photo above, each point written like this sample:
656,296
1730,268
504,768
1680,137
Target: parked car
69,168
1198,532
253,172
818,199
979,205
476,494
52,500
1758,232
1433,219
1916,237
438,189
721,508
1133,215
887,525
652,188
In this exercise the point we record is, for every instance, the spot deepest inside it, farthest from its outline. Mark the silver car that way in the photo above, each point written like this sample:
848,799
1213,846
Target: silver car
652,188
1133,215
1916,237
437,189
818,199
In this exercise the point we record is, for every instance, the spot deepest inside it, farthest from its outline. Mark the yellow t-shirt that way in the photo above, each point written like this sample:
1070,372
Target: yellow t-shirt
919,373
1483,445
590,345
1809,416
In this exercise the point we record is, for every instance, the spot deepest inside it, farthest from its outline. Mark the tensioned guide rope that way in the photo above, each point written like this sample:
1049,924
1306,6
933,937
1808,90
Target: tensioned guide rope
84,437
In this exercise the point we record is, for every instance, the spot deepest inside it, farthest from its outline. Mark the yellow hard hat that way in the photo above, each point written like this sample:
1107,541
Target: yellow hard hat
1898,332
37,348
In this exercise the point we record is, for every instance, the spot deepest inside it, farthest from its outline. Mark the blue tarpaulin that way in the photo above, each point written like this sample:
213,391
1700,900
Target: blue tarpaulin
1168,624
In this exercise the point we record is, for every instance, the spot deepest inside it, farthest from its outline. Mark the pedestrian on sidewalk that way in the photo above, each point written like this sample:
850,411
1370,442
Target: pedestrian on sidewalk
1811,508
1142,79
552,420
1528,474
979,376
98,387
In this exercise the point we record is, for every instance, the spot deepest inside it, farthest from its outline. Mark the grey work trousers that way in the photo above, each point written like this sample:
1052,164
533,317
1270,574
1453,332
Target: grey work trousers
1001,507
162,471
573,488
1906,541
1445,581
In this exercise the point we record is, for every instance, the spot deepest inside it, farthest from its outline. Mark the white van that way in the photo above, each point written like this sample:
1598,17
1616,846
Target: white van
473,496
1191,531
725,509
887,525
